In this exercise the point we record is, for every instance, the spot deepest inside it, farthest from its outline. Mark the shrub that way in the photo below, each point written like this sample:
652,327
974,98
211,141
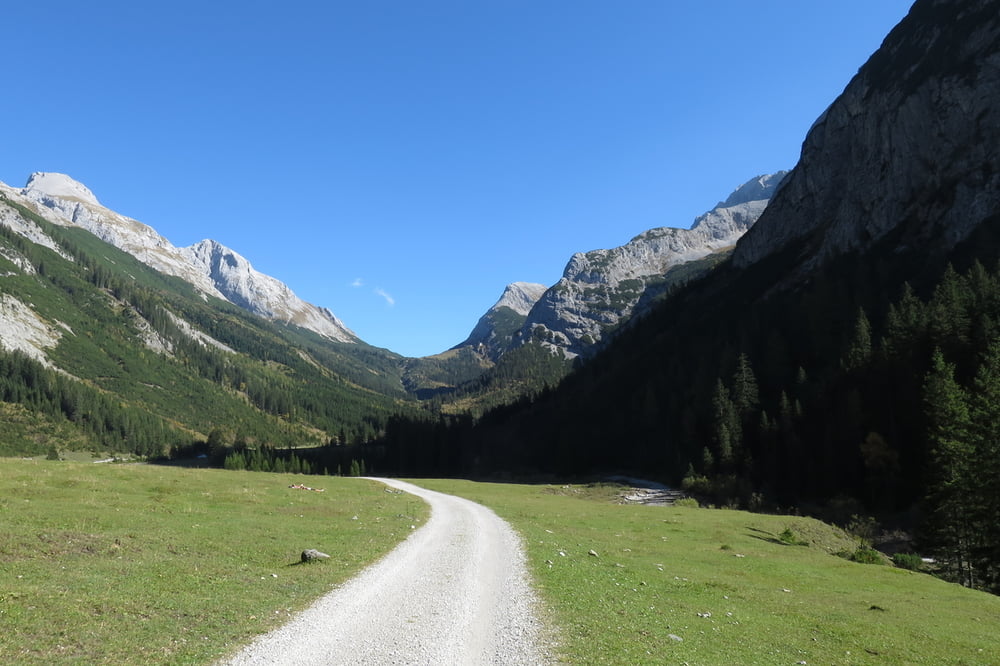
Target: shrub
791,538
687,502
908,561
863,555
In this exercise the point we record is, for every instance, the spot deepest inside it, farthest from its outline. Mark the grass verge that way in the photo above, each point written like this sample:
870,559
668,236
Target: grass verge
123,564
673,585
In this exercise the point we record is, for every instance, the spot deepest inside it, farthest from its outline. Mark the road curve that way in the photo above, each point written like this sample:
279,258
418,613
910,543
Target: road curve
455,592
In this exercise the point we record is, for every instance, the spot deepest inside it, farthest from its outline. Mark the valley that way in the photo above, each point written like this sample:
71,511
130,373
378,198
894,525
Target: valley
816,358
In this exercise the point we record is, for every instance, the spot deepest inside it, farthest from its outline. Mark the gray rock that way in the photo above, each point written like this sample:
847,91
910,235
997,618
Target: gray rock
908,149
311,555
601,289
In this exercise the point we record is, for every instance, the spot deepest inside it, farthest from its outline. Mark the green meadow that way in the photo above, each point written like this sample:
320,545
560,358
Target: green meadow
131,564
147,564
673,585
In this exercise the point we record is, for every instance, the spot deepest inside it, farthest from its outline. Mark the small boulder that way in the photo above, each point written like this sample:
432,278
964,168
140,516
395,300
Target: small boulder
311,555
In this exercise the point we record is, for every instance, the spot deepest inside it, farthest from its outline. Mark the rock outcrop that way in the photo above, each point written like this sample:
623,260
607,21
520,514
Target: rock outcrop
238,282
600,289
493,334
903,148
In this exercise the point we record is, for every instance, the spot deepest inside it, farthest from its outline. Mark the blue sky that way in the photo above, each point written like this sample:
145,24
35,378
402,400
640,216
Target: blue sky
400,162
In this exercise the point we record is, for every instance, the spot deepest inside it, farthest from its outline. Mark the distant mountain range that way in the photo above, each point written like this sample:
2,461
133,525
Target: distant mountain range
182,304
210,266
599,289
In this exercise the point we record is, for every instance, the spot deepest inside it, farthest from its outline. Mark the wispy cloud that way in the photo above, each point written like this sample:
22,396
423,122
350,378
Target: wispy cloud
358,282
390,301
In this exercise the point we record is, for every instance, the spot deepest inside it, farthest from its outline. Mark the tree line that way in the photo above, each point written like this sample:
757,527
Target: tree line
809,398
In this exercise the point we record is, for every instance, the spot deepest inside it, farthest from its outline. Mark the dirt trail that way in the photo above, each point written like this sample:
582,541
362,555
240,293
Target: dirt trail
455,592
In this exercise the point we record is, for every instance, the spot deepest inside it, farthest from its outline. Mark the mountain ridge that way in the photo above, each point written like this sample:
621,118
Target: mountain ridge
922,95
600,289
210,266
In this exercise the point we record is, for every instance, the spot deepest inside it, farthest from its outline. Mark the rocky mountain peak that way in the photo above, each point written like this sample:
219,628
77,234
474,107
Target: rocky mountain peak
59,185
520,296
601,288
239,283
493,333
760,188
210,266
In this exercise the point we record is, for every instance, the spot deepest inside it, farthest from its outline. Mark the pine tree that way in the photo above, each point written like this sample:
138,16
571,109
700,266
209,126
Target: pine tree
860,350
950,525
984,410
725,425
745,392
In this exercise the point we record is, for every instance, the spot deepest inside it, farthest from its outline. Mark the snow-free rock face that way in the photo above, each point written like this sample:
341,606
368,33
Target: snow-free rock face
62,186
212,268
599,289
23,330
494,332
910,145
45,190
262,294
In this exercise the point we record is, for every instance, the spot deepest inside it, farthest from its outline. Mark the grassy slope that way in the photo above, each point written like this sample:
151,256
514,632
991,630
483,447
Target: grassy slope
137,563
658,568
146,564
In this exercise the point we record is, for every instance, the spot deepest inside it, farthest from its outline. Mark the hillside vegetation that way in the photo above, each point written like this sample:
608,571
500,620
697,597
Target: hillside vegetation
147,365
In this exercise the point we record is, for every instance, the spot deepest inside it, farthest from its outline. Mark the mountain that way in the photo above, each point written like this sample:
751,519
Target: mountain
101,352
910,143
212,268
494,332
600,289
845,359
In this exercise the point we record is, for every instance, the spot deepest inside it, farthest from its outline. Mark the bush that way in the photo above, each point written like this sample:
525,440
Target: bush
687,502
908,561
791,538
862,555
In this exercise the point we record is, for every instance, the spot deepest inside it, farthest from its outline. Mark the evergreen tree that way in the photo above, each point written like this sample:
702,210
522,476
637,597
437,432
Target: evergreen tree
860,350
745,393
950,487
725,426
984,506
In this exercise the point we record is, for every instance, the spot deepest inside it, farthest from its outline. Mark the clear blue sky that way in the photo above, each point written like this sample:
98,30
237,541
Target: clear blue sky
400,162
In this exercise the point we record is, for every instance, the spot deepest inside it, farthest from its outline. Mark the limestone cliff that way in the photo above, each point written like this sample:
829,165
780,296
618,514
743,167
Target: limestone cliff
910,146
494,332
601,288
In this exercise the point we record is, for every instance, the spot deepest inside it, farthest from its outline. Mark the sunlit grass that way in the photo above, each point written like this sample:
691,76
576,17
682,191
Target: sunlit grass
145,564
671,585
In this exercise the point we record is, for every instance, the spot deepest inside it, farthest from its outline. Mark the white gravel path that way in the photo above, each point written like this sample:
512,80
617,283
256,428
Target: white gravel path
455,592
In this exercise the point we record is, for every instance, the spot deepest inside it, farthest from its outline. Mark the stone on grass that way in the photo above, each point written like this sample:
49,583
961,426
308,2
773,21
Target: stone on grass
311,555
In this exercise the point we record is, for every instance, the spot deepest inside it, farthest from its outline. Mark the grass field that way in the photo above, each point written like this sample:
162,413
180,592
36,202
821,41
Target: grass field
671,585
144,564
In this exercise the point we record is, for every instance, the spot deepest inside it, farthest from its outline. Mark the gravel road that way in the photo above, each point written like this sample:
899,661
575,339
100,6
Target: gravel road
455,592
